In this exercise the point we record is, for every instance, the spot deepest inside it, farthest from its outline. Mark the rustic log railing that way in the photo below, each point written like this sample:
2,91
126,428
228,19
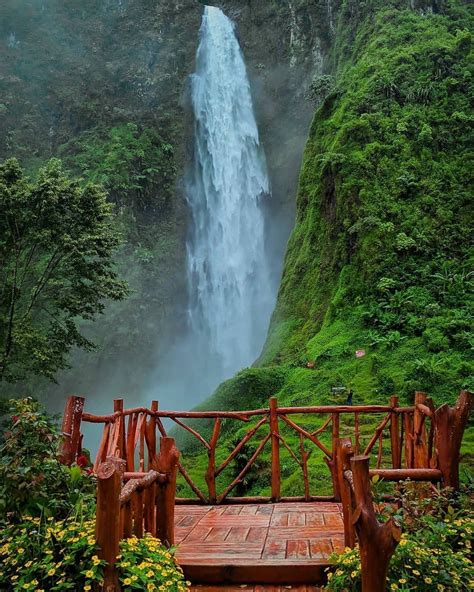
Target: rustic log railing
411,437
133,503
137,483
427,462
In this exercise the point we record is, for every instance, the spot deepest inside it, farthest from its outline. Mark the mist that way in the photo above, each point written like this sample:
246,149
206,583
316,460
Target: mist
84,69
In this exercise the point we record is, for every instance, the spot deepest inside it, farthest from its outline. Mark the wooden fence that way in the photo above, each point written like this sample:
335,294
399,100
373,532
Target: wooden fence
411,437
435,459
137,483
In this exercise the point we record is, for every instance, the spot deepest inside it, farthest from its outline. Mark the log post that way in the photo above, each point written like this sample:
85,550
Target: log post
210,476
450,423
395,435
275,433
150,435
166,462
71,430
344,454
109,483
333,465
118,408
408,429
377,542
420,449
138,514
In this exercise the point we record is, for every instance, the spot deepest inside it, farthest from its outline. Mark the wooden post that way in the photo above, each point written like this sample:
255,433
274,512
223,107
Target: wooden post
333,465
210,476
420,449
109,483
408,429
137,505
274,430
377,542
150,435
450,423
149,510
344,454
395,435
118,408
71,430
166,462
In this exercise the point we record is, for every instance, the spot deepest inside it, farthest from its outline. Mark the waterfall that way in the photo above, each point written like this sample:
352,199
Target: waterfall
230,292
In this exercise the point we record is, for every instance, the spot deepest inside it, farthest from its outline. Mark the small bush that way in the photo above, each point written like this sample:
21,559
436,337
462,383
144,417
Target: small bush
32,480
434,552
145,564
49,555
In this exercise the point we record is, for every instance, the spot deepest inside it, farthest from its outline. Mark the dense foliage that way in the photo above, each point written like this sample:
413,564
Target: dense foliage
379,258
134,165
435,551
56,244
32,480
47,527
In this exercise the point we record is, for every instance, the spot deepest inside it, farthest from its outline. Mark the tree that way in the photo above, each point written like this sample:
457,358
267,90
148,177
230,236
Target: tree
57,238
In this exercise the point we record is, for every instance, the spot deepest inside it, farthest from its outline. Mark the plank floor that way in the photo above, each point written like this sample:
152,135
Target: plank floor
285,543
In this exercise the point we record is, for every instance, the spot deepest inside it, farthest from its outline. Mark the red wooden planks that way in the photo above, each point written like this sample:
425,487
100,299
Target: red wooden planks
252,544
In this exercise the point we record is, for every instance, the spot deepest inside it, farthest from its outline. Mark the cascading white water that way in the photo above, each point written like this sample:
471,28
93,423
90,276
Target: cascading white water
230,292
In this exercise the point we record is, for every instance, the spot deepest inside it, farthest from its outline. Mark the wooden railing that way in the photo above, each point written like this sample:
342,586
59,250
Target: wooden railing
431,451
409,437
145,503
137,483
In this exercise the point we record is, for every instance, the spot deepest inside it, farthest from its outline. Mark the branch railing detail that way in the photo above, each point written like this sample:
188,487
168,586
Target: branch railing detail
405,437
132,503
429,451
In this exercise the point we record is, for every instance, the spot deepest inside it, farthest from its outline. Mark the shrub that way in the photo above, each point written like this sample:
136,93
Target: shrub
434,552
48,555
32,480
145,564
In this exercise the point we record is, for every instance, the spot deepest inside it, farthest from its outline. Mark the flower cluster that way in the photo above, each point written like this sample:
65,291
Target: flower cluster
436,558
49,556
145,564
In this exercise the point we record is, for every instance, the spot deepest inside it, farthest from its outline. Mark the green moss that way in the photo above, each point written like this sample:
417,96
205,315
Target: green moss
379,257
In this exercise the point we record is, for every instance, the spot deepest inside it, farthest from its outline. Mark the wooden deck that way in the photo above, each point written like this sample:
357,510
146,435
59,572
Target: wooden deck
284,543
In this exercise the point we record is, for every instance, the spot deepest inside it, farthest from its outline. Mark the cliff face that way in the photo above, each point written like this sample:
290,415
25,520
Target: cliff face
378,258
103,85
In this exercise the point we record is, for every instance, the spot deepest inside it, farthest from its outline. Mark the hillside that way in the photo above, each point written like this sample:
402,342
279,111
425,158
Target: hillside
379,256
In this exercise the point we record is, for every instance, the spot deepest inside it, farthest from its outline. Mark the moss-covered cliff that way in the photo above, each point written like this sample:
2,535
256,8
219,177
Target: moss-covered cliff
379,256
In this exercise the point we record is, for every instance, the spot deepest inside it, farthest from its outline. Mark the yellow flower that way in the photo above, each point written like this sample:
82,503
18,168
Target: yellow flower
134,578
394,587
149,574
28,563
26,586
127,581
428,580
416,572
402,581
353,574
51,572
87,588
89,574
20,551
